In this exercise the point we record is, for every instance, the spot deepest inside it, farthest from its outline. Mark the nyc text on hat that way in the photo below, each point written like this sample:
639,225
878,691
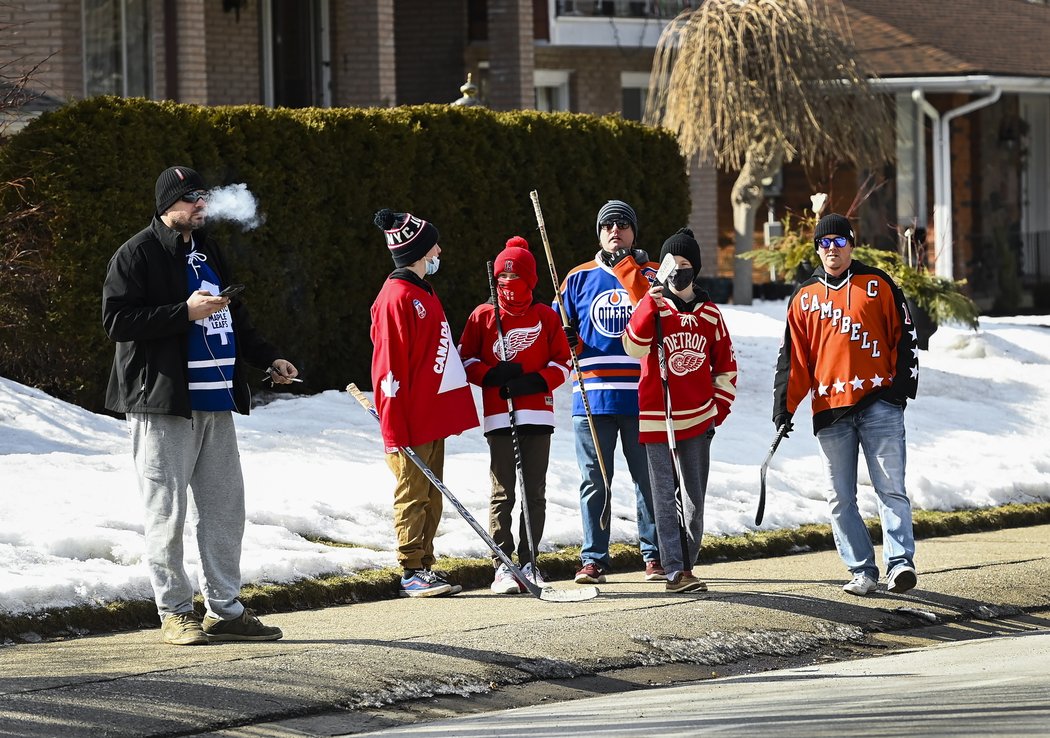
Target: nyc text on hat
408,237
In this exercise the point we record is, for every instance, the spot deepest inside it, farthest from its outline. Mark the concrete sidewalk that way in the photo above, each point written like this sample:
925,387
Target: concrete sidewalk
348,669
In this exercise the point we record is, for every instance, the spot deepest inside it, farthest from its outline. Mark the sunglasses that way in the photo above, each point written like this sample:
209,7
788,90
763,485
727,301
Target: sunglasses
623,225
194,196
828,241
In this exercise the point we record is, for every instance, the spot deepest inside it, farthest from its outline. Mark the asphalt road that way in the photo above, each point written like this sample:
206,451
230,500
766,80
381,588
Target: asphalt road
991,687
378,665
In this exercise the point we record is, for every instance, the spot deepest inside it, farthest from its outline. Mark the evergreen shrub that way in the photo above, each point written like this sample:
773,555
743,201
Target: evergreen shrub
315,265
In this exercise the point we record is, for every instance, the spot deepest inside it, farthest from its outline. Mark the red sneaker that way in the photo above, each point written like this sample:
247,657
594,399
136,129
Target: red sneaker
590,574
654,572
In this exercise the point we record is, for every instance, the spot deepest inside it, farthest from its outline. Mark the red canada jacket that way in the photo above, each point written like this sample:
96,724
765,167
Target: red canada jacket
421,389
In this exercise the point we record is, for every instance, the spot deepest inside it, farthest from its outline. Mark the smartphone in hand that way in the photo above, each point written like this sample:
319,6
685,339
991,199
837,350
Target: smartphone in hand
231,290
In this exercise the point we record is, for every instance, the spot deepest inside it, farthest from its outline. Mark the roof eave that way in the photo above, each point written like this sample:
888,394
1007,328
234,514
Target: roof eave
969,83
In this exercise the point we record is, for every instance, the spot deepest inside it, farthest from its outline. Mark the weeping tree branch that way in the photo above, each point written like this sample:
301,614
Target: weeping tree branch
753,84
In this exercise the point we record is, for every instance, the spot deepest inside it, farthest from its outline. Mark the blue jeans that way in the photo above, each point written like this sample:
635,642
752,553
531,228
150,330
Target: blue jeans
595,547
879,430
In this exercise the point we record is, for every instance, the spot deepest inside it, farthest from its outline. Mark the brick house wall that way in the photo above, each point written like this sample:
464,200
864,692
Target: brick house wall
232,55
44,32
364,67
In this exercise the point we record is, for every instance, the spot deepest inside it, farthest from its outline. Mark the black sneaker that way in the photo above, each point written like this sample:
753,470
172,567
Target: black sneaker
901,578
247,627
423,583
440,577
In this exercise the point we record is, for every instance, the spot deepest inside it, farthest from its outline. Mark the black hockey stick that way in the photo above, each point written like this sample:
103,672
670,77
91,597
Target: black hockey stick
666,267
546,593
762,474
512,413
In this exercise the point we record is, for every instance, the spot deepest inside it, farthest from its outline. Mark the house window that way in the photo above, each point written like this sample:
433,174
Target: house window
635,86
296,53
117,52
552,90
623,8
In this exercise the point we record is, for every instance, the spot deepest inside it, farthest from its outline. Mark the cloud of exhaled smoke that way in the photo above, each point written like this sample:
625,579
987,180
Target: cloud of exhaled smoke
235,203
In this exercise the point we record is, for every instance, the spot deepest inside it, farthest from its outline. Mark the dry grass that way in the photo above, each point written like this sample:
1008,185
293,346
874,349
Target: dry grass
381,584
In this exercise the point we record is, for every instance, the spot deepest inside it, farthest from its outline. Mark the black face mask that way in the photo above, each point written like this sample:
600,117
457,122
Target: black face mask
682,278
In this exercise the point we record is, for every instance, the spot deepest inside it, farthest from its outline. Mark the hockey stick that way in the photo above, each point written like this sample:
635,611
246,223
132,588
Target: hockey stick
762,474
546,593
512,413
667,266
606,516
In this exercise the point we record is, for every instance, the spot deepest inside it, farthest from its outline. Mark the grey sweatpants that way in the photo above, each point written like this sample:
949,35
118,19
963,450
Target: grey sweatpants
695,457
171,455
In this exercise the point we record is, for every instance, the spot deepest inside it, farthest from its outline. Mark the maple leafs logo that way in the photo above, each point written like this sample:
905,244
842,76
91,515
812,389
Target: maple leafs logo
389,385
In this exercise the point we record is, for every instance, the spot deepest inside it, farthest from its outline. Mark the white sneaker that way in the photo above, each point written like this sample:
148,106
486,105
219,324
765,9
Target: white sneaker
504,583
533,575
901,578
860,585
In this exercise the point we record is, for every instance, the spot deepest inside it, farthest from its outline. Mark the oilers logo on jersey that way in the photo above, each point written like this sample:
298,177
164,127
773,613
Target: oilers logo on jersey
610,312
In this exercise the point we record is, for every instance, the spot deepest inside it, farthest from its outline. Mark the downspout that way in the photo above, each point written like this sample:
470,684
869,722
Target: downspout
942,174
938,184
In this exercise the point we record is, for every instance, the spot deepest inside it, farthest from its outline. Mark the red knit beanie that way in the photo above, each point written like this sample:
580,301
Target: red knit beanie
518,259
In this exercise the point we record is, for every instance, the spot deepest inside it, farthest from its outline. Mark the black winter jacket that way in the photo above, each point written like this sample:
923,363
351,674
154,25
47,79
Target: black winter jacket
144,310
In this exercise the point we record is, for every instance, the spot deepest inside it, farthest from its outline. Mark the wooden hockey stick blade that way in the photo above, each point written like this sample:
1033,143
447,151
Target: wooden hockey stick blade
546,593
667,266
568,595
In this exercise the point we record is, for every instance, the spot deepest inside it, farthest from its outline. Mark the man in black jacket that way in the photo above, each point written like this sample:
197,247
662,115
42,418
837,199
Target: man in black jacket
178,374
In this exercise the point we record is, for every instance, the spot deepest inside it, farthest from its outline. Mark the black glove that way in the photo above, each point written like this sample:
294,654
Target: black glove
781,420
571,336
619,255
526,384
498,375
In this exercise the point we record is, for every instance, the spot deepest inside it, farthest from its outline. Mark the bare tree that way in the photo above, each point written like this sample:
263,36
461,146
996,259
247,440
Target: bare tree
752,84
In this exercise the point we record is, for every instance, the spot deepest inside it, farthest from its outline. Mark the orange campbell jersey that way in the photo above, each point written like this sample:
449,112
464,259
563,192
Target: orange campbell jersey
849,340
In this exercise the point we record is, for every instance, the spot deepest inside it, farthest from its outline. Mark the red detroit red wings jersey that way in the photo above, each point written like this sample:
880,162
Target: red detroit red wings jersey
701,369
536,341
420,385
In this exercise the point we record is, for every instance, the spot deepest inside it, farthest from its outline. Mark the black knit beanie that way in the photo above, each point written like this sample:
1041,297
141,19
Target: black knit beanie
833,224
617,210
682,243
409,238
173,183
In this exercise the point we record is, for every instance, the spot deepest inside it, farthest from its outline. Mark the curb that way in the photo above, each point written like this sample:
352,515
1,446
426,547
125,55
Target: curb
382,584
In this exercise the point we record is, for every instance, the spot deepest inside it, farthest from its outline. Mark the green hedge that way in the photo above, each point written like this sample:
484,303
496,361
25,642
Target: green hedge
86,172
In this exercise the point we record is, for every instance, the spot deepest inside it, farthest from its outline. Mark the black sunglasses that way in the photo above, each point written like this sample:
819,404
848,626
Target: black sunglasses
623,225
194,196
828,241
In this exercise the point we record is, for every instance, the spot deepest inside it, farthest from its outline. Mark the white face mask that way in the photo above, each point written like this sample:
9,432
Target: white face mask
433,265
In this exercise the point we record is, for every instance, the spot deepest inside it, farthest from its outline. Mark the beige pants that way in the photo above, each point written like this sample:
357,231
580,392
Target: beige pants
417,504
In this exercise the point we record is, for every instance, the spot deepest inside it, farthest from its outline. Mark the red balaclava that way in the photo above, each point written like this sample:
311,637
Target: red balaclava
515,295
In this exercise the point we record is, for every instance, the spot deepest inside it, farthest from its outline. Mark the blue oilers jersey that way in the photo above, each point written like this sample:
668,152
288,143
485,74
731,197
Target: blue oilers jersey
600,307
